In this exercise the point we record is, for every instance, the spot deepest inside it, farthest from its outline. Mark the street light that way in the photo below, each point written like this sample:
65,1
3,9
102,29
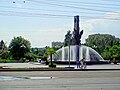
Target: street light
69,51
68,39
94,47
22,46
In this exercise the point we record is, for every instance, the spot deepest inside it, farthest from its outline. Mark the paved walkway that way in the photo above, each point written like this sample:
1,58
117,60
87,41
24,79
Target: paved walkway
38,65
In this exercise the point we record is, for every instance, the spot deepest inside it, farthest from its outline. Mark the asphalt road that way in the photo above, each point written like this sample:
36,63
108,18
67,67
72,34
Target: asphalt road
63,80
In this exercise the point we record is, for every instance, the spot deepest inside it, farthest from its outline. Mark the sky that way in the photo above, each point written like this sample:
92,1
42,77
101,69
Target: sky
44,21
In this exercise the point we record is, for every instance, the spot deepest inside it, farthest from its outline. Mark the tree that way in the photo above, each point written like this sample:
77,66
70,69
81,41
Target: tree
45,54
19,47
100,41
106,45
68,38
115,51
68,42
106,53
4,53
49,52
38,51
57,45
31,56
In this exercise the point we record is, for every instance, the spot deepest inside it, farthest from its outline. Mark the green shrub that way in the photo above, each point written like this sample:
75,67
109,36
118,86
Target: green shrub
7,61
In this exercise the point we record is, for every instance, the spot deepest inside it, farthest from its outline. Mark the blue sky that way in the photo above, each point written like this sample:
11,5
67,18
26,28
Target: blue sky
44,21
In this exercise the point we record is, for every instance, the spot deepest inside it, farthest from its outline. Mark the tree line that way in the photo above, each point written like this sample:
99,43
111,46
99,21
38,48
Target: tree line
19,49
108,46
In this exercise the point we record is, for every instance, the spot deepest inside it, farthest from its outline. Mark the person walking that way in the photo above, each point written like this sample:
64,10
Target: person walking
82,63
78,64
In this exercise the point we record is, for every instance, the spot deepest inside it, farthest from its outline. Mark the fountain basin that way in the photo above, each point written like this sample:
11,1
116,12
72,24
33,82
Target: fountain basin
90,55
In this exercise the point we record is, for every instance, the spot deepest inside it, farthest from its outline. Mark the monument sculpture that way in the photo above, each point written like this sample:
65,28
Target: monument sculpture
77,34
76,39
74,52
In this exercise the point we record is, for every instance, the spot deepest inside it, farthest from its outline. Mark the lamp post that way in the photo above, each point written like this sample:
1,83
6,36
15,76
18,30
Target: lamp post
68,40
94,47
22,52
69,52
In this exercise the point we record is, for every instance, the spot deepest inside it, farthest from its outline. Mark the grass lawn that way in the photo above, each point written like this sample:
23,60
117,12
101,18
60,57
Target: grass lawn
7,61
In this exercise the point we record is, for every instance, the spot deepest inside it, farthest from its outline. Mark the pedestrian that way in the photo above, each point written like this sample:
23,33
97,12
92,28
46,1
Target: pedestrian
82,63
78,64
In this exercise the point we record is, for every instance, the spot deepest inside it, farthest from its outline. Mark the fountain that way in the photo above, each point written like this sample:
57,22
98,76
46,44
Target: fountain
75,51
88,53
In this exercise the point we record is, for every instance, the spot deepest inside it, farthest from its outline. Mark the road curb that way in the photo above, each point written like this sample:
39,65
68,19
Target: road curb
54,69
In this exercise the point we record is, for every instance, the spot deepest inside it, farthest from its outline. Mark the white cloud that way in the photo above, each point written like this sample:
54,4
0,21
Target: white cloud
42,37
107,25
113,15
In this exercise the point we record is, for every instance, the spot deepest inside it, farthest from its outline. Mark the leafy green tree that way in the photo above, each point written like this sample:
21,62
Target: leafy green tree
31,56
41,53
100,41
38,51
107,54
68,38
112,52
45,55
49,52
19,47
57,45
115,51
4,53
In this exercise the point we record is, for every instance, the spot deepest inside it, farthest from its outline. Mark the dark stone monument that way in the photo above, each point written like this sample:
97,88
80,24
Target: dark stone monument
76,39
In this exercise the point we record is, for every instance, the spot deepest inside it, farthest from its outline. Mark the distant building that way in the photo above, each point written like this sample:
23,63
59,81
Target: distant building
57,45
